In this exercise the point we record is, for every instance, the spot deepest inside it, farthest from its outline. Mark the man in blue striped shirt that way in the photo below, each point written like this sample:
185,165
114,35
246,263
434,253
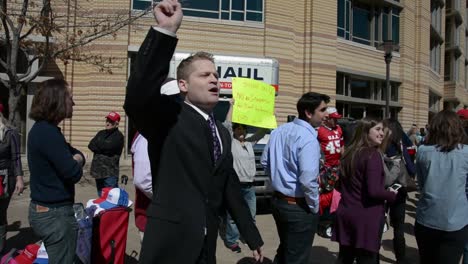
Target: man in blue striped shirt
292,159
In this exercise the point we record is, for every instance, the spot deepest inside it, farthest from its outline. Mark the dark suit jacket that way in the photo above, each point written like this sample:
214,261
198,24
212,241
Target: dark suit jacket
190,192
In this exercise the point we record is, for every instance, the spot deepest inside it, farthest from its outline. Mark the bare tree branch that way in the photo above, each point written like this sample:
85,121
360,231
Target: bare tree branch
22,17
30,30
4,14
4,82
87,39
3,64
5,20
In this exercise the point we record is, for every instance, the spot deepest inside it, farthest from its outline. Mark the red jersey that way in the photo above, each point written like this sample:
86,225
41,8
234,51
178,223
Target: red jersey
331,142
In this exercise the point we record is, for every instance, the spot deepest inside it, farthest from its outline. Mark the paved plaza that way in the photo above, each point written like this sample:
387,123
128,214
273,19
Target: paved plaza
323,250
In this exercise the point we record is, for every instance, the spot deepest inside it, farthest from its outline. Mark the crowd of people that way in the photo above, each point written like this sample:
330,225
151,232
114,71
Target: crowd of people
194,174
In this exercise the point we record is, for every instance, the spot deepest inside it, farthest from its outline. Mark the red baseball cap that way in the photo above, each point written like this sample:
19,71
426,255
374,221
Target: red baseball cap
28,255
113,116
104,194
463,114
333,113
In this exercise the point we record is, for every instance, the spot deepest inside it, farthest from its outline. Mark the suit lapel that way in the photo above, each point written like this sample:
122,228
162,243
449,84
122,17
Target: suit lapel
224,141
206,130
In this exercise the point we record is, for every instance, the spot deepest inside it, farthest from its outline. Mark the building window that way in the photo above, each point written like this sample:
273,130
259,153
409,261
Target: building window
436,17
368,24
452,67
435,56
434,102
235,10
358,96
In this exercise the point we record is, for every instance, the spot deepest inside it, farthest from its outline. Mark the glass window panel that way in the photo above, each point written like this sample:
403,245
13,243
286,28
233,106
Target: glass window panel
376,26
394,93
383,91
201,14
341,33
339,83
396,29
385,27
341,13
225,4
255,5
361,25
347,18
346,86
254,16
141,5
239,16
212,5
225,15
237,5
361,89
447,68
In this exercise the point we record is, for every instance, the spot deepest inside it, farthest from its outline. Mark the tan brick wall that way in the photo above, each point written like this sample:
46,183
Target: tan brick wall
301,36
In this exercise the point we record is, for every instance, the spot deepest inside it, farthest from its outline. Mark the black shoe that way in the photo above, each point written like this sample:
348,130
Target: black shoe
235,248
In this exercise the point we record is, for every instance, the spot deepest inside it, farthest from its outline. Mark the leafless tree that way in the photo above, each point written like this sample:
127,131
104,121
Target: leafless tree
37,32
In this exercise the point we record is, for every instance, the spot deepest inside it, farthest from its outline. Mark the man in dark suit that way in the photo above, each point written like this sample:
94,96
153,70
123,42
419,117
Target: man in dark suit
190,153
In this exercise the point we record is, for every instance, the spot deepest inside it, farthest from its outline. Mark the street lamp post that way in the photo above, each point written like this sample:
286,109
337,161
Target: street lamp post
388,47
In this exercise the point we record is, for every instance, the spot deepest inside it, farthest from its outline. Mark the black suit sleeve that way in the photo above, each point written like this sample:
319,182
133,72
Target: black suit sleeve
239,209
143,99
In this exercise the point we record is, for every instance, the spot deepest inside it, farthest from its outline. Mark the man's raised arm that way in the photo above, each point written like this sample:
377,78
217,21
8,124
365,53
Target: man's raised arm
143,95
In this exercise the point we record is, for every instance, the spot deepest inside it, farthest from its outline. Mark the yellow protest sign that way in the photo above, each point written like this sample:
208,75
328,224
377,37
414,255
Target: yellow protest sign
254,103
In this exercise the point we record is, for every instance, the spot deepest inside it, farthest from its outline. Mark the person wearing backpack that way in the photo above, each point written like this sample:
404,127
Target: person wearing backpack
394,148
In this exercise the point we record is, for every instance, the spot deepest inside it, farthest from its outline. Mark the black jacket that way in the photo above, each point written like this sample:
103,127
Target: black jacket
10,157
190,191
107,147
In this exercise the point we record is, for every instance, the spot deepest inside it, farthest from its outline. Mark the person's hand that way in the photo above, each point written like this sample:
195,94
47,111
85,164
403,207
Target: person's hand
19,187
392,190
168,15
258,255
231,102
78,158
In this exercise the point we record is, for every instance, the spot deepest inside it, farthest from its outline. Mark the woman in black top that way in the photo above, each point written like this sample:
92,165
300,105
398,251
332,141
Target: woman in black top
395,144
55,168
11,172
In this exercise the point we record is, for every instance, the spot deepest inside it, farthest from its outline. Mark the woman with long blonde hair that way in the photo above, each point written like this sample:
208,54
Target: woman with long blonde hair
11,172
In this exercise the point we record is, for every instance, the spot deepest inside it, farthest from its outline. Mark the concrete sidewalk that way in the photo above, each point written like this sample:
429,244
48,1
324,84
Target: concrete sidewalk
323,250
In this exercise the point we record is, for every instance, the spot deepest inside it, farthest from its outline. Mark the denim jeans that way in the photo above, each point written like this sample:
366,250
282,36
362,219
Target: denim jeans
296,226
232,233
112,181
58,229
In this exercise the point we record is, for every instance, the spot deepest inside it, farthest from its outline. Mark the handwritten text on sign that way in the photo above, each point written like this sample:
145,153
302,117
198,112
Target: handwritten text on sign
254,103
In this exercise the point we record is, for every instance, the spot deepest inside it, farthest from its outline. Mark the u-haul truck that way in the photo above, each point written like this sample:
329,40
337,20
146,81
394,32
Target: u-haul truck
262,69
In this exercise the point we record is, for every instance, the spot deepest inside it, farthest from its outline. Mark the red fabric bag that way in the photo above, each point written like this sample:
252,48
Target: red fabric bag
110,235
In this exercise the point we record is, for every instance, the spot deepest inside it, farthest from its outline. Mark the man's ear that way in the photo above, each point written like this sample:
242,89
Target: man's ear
183,85
308,114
